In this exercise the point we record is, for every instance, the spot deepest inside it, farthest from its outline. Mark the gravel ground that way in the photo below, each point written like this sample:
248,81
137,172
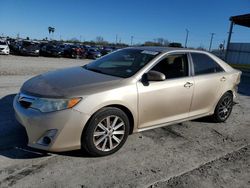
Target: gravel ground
192,154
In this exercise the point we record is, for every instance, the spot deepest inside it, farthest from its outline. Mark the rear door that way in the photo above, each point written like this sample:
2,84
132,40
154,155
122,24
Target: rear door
209,77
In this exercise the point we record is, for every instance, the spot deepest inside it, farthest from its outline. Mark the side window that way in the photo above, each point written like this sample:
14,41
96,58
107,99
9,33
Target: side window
203,64
173,66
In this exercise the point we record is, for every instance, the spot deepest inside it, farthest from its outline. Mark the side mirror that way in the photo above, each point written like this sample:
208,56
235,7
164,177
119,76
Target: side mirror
154,76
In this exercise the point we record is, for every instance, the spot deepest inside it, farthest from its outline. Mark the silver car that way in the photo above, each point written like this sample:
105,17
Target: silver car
95,107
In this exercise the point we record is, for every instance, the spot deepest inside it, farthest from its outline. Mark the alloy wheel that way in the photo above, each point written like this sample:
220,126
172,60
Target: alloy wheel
225,108
109,133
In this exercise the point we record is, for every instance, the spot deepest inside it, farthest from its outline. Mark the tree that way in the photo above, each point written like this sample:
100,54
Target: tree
99,39
201,47
161,41
51,30
151,43
175,44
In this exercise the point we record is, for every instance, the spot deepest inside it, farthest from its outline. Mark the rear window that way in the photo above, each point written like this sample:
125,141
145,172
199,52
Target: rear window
203,64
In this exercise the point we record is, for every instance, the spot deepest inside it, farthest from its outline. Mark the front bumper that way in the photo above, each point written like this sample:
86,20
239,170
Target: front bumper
5,52
68,123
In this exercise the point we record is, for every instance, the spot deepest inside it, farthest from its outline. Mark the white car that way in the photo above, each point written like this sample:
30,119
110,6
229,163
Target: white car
4,48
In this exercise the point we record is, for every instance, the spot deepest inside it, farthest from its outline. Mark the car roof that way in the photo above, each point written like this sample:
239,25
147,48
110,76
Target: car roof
165,49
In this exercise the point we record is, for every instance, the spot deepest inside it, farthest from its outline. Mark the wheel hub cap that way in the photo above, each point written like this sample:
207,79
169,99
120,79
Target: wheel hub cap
225,107
108,133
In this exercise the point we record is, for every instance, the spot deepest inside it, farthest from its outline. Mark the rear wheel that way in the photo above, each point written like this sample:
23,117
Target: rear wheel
106,132
223,108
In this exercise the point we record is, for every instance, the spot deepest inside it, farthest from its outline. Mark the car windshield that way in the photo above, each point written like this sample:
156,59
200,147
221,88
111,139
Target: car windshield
3,43
123,63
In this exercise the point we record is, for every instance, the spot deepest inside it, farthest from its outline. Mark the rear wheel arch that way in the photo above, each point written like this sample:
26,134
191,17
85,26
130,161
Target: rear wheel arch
222,94
229,91
215,115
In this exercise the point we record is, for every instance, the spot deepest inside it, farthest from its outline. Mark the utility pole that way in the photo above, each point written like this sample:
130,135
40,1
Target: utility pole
187,33
211,41
132,37
116,39
229,38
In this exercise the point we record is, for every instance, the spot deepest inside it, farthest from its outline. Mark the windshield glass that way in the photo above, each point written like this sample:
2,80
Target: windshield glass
3,43
123,63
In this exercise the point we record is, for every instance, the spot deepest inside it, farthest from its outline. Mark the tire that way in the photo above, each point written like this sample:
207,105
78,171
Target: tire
223,108
106,132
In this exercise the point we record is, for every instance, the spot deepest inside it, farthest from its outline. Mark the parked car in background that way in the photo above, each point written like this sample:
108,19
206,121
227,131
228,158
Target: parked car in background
28,48
74,51
51,50
97,106
4,48
93,53
106,50
14,47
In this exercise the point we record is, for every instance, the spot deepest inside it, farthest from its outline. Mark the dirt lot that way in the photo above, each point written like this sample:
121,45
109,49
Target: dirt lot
192,154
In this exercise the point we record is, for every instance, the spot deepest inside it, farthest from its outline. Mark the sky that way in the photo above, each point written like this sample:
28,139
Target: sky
145,20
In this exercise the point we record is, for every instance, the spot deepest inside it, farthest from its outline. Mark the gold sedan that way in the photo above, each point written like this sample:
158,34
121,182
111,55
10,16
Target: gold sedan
95,107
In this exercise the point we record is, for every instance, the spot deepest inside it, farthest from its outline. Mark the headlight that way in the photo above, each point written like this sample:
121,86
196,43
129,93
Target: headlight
51,105
37,51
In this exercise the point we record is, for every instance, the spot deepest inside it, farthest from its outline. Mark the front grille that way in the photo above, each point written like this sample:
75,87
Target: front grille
25,100
1,49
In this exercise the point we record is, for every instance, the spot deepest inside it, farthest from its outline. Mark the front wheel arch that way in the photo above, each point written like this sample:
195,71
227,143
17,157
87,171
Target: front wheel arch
89,122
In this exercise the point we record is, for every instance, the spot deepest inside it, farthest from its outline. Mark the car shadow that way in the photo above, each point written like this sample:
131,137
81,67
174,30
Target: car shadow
13,137
76,153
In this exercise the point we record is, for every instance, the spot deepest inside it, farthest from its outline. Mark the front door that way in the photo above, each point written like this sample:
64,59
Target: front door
169,100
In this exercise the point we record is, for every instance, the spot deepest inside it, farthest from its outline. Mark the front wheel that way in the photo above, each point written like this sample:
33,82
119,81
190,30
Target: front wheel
106,132
223,108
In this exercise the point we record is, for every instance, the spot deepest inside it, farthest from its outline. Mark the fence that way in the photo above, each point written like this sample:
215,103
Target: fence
238,53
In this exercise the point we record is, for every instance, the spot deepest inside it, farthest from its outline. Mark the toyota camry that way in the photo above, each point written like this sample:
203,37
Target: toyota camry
96,106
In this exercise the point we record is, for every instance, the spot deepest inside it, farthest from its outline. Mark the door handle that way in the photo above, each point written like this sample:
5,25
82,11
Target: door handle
223,79
188,85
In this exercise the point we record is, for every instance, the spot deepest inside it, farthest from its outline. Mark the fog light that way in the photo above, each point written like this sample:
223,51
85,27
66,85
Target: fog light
48,137
46,140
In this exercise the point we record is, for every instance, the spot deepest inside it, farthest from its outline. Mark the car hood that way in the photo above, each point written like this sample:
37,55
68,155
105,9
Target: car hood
3,46
70,82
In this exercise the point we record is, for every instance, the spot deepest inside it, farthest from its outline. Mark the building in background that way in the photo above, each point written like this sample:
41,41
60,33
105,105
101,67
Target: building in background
238,53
